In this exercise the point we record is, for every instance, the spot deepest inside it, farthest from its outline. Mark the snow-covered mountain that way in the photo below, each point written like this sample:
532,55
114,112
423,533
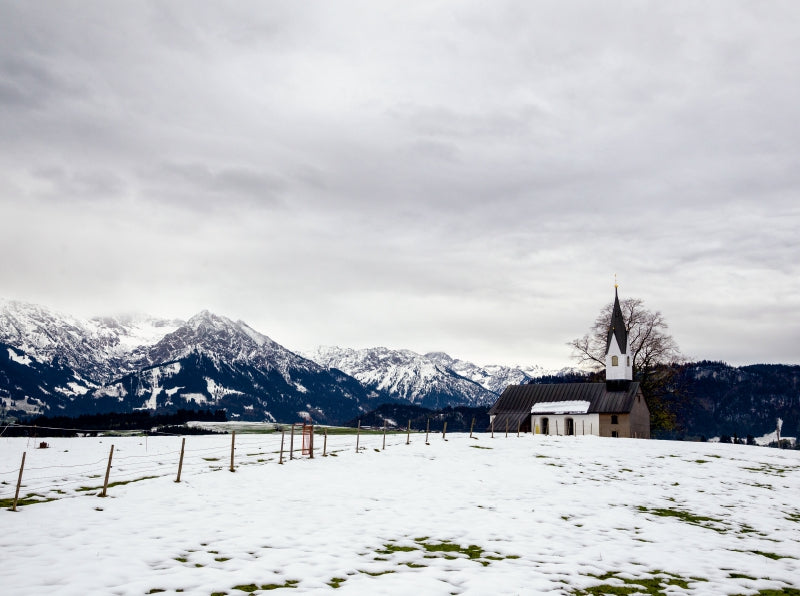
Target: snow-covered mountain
493,377
33,387
405,375
58,364
212,361
99,349
137,361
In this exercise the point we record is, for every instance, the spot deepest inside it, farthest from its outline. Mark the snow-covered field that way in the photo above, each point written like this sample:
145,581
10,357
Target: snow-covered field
527,515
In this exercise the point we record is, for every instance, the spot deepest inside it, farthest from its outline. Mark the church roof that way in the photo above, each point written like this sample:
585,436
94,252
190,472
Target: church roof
517,401
617,328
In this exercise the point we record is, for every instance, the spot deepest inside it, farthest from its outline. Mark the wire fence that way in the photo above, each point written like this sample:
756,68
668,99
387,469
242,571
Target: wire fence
95,465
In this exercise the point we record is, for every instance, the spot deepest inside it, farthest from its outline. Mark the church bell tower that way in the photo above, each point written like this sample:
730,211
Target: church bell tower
619,367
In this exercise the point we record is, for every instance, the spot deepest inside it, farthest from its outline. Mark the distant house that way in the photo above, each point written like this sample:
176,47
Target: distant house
615,408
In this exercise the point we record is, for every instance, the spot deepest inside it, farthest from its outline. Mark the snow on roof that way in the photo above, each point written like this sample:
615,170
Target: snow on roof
561,407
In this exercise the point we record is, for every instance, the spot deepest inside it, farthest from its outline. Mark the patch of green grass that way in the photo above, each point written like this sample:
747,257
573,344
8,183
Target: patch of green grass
656,585
290,583
336,582
156,591
113,484
740,576
793,517
772,556
219,594
181,559
211,458
480,447
249,588
701,461
473,551
29,499
686,516
222,559
394,548
377,573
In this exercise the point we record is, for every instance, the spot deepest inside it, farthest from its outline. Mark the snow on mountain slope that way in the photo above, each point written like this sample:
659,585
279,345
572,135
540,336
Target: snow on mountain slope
98,348
29,386
223,339
405,375
493,377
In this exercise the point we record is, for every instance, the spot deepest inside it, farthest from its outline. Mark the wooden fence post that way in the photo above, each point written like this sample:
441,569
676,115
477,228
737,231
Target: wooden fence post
311,444
384,435
180,461
325,444
408,432
283,436
427,431
108,471
519,425
358,435
556,427
19,481
233,445
291,443
471,427
493,428
444,431
583,427
506,428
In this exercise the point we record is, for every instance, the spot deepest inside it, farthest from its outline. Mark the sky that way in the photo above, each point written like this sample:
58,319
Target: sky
465,177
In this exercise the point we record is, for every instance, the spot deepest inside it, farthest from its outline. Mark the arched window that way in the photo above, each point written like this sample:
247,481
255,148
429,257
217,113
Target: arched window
614,361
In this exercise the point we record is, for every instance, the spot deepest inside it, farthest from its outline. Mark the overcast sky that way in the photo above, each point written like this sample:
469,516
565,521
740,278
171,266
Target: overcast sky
457,176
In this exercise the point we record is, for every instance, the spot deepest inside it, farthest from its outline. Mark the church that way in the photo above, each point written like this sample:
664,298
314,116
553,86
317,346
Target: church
615,408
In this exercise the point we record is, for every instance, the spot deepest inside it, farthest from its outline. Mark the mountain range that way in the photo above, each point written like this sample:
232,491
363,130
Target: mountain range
57,364
60,365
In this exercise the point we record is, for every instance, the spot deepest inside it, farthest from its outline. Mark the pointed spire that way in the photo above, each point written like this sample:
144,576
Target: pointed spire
617,328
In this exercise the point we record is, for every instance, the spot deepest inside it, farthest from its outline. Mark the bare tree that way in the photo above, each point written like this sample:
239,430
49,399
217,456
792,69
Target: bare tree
654,355
651,344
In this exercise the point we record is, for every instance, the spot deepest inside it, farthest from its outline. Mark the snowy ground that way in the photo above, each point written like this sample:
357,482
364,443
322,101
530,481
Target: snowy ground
528,515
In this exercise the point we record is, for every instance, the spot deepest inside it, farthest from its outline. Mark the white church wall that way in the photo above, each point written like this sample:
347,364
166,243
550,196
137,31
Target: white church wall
584,424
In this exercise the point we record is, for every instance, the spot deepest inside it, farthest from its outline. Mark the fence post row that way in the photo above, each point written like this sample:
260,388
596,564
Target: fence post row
19,482
108,471
180,461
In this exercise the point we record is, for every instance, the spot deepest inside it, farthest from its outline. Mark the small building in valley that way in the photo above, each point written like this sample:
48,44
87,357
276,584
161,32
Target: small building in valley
615,408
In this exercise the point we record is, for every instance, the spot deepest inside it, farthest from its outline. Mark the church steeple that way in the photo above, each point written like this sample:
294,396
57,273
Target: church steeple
619,369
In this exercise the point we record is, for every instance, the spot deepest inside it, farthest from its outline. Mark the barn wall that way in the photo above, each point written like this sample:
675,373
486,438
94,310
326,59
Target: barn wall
622,427
640,418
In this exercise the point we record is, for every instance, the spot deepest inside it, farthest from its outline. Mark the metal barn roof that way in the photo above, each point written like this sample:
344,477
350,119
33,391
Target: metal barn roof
517,401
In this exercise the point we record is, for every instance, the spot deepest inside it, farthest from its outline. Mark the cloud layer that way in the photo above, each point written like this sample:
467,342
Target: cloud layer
452,176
